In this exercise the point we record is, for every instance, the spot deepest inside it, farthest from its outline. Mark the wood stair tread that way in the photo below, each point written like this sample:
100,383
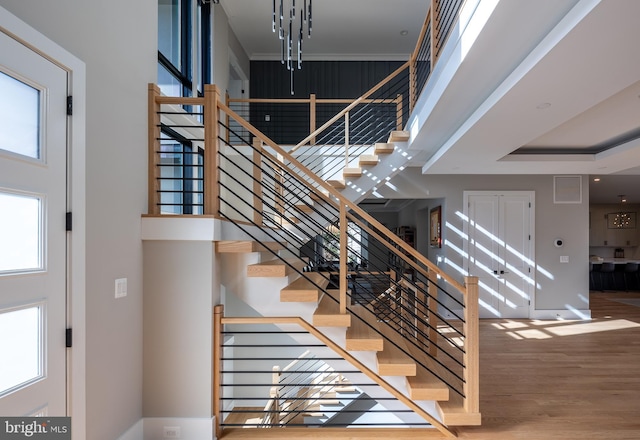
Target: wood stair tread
398,136
275,268
392,361
246,246
368,159
352,172
305,288
328,313
453,412
304,208
360,336
383,148
337,184
425,386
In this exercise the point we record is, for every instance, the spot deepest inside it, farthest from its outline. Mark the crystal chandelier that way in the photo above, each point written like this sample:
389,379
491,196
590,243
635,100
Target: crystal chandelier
285,32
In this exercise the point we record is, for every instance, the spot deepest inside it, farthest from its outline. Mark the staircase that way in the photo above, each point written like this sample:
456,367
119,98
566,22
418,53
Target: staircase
404,325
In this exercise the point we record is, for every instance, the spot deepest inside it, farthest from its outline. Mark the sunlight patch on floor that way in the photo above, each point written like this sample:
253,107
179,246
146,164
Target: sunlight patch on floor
592,327
548,329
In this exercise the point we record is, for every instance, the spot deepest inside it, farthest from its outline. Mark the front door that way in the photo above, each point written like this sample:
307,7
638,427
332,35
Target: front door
33,260
500,251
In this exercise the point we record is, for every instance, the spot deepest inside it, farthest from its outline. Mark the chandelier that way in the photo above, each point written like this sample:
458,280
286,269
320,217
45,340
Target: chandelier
288,56
622,219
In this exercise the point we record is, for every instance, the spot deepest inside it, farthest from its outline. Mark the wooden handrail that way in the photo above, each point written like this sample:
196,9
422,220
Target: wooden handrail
346,356
184,100
309,100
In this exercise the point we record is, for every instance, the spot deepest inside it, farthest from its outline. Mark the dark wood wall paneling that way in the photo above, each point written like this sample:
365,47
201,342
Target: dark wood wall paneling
289,124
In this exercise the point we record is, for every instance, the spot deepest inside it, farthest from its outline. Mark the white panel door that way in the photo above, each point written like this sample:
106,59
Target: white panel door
500,252
33,162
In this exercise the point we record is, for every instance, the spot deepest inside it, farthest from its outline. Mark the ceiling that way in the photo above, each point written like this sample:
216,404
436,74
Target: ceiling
342,29
547,87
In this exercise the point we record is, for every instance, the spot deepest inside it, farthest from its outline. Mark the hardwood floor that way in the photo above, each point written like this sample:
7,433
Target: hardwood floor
545,380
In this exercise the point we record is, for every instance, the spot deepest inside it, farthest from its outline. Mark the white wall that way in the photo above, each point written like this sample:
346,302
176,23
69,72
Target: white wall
117,41
179,294
559,286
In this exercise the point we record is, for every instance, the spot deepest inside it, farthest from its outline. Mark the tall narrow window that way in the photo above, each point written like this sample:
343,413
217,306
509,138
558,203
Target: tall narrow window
184,47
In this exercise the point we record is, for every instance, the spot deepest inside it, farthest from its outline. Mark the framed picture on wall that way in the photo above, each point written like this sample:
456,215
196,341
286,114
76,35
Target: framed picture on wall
435,239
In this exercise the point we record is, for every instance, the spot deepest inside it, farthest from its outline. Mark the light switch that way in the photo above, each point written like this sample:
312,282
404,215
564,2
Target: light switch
121,288
564,258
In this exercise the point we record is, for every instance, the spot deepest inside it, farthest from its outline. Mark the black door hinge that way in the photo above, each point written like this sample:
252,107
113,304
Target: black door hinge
69,105
69,222
69,338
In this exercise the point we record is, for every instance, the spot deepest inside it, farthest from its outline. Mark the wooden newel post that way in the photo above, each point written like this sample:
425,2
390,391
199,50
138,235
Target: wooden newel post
343,259
471,347
218,313
257,180
211,175
153,184
312,117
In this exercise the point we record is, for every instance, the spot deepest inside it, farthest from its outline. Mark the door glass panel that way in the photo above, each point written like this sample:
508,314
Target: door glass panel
20,233
19,117
21,347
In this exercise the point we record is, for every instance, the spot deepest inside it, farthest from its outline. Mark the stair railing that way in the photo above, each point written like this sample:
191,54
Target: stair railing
335,214
251,378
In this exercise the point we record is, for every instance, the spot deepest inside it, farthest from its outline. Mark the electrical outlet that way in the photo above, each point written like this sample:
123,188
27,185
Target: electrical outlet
171,432
564,258
121,288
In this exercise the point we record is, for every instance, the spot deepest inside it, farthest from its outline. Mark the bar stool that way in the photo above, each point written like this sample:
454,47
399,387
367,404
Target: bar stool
592,284
607,268
629,270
